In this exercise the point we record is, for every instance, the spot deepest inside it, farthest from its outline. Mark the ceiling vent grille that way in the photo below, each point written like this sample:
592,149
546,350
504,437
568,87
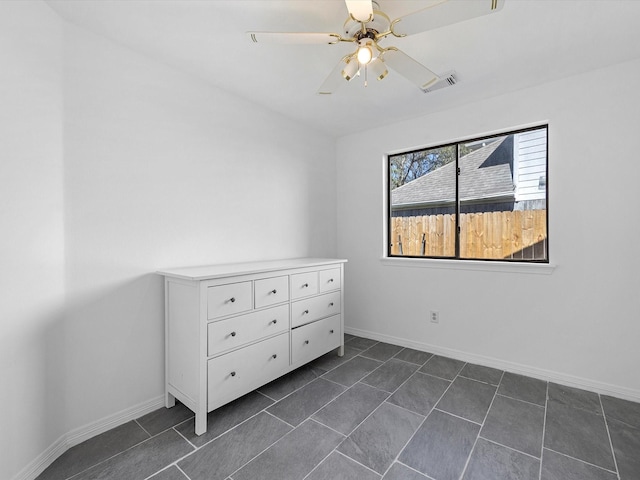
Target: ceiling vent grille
447,80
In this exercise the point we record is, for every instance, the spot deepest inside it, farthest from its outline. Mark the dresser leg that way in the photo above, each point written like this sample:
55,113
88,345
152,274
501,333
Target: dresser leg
341,350
169,400
201,423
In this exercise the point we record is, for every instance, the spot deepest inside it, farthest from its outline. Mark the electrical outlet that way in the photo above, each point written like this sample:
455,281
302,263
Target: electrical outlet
434,316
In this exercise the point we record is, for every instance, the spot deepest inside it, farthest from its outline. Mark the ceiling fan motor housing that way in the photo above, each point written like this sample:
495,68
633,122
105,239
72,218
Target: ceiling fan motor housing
379,24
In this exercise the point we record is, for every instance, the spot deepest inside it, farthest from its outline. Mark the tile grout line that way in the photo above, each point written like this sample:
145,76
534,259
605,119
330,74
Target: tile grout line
112,456
186,439
143,429
423,420
581,461
412,469
495,394
544,428
263,450
508,447
606,425
377,408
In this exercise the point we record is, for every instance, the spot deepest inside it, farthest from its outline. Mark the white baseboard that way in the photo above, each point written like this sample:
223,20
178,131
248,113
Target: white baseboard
79,435
542,374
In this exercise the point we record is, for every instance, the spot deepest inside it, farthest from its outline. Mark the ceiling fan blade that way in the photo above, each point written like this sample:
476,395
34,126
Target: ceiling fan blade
334,80
409,68
361,10
294,38
444,12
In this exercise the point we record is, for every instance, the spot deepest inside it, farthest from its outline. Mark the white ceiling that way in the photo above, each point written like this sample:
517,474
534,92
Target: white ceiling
527,43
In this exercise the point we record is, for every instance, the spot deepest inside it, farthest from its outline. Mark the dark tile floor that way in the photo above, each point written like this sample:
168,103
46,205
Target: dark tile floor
379,412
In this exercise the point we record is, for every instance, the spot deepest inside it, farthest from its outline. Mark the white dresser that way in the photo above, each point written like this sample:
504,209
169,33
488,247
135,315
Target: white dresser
230,329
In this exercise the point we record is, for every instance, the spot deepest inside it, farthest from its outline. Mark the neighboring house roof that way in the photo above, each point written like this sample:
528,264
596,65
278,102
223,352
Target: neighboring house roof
485,173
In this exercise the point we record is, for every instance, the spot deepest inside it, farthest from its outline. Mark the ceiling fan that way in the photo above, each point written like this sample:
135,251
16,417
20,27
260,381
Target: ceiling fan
367,26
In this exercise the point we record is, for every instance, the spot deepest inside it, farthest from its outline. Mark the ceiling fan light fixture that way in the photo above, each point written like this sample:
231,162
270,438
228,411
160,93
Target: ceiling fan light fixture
378,68
365,51
351,69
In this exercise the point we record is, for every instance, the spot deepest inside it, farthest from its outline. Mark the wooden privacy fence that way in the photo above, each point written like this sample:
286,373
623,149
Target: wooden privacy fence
513,234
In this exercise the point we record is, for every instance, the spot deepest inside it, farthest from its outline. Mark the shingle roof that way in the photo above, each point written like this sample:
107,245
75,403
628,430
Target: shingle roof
485,173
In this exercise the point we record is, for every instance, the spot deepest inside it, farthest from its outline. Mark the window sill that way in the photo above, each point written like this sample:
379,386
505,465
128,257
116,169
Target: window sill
478,265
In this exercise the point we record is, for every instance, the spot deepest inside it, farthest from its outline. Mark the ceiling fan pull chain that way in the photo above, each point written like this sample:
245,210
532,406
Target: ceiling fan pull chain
365,75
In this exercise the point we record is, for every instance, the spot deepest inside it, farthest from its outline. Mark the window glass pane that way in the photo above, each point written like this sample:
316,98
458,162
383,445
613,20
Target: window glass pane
503,198
423,203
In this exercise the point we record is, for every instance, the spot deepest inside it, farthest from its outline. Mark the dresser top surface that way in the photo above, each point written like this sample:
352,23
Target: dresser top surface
206,272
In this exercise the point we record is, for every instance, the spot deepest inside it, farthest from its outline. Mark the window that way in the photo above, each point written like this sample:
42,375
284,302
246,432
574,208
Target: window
481,199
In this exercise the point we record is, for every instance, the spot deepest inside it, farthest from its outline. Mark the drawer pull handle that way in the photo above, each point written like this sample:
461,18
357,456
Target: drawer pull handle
232,299
305,285
331,280
306,342
330,331
233,334
331,304
274,356
305,312
274,321
274,291
233,374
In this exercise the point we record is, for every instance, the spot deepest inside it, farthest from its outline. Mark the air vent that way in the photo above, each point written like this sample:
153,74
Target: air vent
446,80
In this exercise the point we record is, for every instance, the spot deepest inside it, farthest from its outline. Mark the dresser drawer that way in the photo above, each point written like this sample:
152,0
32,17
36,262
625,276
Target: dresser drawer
240,371
330,280
315,339
233,332
270,291
304,284
310,309
223,300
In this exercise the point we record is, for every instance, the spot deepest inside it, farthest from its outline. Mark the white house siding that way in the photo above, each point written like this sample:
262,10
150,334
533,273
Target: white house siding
530,154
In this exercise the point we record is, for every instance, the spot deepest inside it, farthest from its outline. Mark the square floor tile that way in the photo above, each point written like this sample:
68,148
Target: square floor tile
379,439
523,388
295,408
560,467
480,373
626,446
352,371
515,424
141,461
420,393
622,410
443,367
441,446
338,467
578,433
348,410
491,462
575,397
225,418
468,399
390,375
381,351
414,356
293,456
94,451
227,453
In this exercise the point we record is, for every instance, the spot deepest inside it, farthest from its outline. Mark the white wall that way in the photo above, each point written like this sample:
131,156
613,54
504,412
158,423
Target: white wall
114,166
161,171
581,322
31,238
